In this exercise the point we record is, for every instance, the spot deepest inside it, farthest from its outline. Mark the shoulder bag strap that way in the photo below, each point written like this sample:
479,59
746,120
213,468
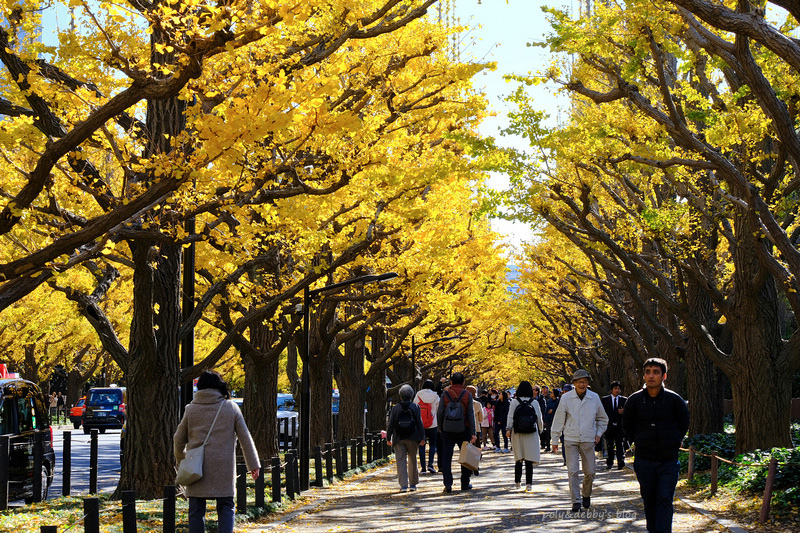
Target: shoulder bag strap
214,422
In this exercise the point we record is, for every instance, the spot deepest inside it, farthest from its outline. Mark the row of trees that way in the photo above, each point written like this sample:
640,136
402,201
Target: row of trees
268,148
668,205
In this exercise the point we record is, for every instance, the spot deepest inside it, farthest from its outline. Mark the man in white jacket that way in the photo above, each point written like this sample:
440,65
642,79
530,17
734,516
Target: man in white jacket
582,420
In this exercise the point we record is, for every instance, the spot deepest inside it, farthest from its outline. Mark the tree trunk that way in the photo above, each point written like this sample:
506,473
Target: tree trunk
351,390
261,392
759,370
376,387
153,371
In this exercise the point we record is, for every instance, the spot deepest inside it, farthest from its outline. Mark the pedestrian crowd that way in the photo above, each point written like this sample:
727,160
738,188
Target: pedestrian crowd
535,419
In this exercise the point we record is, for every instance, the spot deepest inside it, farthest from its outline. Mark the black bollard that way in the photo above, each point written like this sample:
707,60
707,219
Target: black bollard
170,492
38,464
360,446
294,433
329,461
48,529
128,511
66,464
91,512
353,453
290,487
344,456
276,480
241,488
4,463
337,453
317,466
368,445
260,487
93,461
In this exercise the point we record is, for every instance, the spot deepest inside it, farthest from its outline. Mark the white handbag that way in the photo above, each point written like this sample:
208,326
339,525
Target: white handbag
191,467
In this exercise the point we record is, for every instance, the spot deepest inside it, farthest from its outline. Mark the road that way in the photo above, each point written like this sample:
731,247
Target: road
107,462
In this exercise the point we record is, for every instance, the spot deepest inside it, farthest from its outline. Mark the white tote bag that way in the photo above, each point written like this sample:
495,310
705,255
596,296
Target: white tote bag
191,467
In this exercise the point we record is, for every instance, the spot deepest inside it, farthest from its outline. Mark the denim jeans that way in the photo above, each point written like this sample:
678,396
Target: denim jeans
197,515
430,443
657,480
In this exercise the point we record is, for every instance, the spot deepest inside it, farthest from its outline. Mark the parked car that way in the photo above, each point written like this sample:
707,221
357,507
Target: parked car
287,410
105,409
76,412
23,411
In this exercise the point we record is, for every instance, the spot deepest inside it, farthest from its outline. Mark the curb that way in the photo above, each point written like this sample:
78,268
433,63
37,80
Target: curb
724,522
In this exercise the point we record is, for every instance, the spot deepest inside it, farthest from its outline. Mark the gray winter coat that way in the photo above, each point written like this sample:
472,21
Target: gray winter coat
219,459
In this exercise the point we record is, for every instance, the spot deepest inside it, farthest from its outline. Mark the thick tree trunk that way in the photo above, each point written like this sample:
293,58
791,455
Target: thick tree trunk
152,371
759,369
351,390
376,386
261,392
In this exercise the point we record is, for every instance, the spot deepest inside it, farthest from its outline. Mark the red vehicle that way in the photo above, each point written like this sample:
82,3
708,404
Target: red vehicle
76,412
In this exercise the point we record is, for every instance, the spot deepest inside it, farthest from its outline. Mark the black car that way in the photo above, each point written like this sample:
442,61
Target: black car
23,412
105,409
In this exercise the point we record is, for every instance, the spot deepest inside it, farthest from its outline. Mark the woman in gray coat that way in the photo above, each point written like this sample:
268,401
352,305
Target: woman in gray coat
219,458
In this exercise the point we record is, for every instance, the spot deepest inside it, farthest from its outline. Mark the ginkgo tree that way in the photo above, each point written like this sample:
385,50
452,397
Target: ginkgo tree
188,122
676,175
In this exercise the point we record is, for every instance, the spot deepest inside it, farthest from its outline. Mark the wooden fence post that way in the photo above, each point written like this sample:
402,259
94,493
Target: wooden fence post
66,464
318,466
170,493
369,448
714,473
690,469
241,488
765,503
260,486
128,511
91,512
329,461
276,480
93,461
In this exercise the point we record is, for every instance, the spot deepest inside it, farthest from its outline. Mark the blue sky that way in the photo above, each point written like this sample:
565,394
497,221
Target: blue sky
501,30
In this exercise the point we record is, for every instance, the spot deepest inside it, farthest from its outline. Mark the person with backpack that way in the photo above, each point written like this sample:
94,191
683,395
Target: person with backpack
406,434
524,423
457,425
428,402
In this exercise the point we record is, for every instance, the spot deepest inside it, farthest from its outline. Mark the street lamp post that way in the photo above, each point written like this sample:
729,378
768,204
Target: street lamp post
305,386
414,347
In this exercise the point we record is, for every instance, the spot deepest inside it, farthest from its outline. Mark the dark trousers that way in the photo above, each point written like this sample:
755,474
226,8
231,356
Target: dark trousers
545,436
449,441
613,438
197,515
657,480
528,472
500,429
430,443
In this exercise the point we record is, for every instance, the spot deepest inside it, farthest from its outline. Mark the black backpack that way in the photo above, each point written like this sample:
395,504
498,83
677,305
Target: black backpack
525,417
406,425
455,420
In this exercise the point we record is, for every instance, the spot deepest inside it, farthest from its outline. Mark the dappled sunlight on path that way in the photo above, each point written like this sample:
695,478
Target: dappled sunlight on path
372,502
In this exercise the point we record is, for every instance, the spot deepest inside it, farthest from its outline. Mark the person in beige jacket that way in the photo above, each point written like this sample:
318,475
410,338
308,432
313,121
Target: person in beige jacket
219,458
581,418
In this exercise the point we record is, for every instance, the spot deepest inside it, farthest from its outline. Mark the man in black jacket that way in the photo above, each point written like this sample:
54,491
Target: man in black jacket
656,419
613,405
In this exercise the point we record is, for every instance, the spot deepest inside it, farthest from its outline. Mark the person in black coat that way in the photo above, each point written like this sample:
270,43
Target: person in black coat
656,419
614,404
500,415
406,440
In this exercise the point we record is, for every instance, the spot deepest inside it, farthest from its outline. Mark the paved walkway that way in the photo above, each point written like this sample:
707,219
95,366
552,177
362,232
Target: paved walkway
372,502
